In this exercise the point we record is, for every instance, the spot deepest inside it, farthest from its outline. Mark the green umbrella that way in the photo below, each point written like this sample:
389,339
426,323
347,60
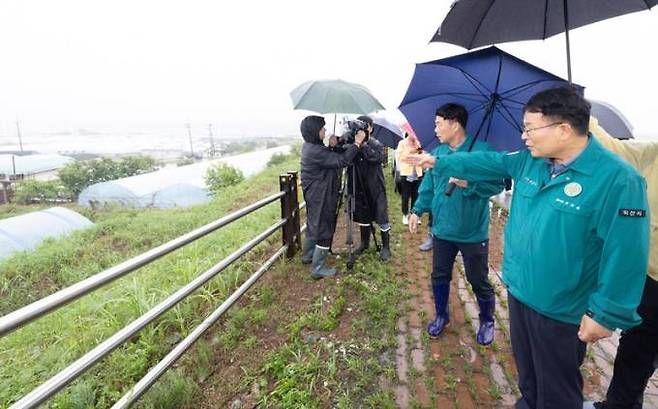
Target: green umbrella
334,96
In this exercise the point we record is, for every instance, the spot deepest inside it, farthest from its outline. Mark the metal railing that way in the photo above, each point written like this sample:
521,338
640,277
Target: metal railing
291,232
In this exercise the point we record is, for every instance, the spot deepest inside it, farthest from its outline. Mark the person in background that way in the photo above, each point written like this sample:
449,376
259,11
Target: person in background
638,347
320,187
576,243
410,175
460,223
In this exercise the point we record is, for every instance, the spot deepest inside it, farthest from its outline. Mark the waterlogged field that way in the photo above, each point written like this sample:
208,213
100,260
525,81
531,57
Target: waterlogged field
34,353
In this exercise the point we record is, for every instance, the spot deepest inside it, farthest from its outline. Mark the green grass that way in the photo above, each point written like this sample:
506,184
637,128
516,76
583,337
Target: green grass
332,372
34,353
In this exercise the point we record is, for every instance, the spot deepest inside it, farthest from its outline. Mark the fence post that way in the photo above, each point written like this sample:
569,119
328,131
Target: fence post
288,234
296,228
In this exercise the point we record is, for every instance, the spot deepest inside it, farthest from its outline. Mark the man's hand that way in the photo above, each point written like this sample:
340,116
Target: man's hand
459,182
359,137
592,331
413,223
424,159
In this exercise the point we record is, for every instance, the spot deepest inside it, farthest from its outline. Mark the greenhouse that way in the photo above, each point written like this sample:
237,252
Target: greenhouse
31,165
26,231
172,186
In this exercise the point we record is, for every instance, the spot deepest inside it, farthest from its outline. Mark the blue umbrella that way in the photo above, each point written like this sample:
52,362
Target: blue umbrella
492,85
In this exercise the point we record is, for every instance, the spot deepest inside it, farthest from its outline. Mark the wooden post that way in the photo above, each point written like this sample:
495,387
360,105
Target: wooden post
296,228
288,235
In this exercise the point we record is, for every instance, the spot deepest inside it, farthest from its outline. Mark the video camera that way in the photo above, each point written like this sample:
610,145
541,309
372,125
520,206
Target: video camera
353,127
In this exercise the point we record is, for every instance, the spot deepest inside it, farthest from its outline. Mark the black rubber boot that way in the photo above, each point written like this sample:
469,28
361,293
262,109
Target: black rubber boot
385,254
365,240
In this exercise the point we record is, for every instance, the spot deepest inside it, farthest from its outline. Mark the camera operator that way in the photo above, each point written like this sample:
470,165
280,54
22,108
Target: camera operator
320,187
370,192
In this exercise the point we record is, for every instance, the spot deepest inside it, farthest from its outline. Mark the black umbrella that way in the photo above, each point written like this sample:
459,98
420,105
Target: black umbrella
475,23
612,120
386,131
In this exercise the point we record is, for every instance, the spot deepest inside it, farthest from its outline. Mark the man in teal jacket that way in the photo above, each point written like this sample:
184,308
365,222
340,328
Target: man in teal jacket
576,243
460,223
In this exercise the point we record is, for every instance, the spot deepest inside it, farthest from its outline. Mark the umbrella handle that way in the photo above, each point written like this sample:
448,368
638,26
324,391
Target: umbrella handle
450,189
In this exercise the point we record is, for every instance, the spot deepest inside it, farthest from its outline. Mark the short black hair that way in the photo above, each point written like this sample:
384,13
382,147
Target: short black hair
453,111
366,119
564,104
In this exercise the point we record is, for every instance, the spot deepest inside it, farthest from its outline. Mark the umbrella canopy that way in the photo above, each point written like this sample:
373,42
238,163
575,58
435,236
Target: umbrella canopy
474,23
334,96
491,84
385,130
612,120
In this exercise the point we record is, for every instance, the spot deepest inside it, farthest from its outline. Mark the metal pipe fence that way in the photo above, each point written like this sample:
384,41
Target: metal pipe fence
291,232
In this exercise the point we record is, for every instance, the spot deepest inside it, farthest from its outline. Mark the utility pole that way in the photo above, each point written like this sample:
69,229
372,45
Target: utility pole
20,139
212,141
189,135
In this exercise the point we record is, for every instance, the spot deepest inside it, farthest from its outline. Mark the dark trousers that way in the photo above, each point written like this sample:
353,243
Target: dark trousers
638,347
476,264
548,356
409,191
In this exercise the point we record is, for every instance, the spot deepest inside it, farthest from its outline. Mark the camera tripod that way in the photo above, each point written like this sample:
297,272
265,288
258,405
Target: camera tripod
348,191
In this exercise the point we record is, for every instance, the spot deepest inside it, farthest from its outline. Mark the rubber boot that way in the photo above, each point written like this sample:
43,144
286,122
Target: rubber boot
427,244
307,251
485,335
385,254
318,267
365,240
441,294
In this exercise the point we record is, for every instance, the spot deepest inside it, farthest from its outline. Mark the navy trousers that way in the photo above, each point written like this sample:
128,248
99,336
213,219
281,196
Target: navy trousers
548,356
476,265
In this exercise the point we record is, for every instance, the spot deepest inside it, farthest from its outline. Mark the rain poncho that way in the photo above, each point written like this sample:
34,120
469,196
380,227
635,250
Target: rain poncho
370,189
320,183
643,155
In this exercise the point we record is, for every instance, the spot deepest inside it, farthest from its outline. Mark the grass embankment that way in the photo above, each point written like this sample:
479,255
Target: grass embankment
299,343
34,353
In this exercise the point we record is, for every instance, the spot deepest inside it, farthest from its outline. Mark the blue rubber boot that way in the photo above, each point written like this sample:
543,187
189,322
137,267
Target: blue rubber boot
308,246
485,334
318,267
441,293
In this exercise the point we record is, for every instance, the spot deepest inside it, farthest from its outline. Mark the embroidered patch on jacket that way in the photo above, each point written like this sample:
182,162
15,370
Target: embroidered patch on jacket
632,212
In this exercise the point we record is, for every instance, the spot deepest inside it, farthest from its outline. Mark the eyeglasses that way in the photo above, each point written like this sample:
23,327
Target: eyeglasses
527,131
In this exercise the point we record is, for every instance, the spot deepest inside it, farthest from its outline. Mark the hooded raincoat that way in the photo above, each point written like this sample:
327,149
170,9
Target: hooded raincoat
320,182
370,188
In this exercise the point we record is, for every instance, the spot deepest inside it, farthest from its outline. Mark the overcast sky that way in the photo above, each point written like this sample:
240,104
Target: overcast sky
145,65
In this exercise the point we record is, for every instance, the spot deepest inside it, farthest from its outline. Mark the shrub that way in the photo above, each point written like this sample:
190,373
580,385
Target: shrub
78,175
277,159
221,176
36,191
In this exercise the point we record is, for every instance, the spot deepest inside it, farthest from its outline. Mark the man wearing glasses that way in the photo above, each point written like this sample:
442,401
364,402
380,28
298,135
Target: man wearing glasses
576,243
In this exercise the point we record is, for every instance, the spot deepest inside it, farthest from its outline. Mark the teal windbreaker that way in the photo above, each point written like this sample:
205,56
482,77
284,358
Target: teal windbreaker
575,244
462,217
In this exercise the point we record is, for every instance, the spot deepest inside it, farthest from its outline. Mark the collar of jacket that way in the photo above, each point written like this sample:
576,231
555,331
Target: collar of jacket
588,160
